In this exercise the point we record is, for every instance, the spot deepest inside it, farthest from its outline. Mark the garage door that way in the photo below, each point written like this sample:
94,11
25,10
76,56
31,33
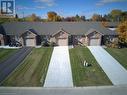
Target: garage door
30,42
94,42
62,42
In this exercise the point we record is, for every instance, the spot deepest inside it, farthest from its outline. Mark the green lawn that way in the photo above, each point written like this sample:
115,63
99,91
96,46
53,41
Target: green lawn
31,71
119,54
86,76
5,53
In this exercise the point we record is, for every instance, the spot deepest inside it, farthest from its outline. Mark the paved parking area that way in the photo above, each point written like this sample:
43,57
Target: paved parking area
102,90
12,62
59,72
116,72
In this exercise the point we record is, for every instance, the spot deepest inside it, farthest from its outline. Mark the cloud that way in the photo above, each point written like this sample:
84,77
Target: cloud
29,8
49,3
103,2
39,7
24,8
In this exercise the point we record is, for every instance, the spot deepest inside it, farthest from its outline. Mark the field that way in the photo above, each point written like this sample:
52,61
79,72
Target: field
32,70
86,76
119,54
5,53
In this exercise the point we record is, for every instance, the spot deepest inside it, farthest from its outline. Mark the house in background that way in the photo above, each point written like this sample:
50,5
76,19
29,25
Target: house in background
60,33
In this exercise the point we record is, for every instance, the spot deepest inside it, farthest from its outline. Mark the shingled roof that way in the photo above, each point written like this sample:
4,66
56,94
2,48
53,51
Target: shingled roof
112,24
49,28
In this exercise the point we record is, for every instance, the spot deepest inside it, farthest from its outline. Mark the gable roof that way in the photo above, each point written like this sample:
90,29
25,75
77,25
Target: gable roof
61,30
113,24
33,31
92,30
30,30
49,28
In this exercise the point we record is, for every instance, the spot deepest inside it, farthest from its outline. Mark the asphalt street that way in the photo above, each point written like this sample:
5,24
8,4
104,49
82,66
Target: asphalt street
12,62
101,90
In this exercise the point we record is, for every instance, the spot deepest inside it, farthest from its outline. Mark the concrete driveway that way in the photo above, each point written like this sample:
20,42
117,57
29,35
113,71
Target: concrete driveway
12,62
116,73
59,72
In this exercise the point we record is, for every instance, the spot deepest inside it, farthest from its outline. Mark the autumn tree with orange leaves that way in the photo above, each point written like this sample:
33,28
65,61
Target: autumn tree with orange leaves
122,32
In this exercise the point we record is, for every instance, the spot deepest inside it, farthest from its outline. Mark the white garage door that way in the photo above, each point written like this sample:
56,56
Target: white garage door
62,42
94,42
30,42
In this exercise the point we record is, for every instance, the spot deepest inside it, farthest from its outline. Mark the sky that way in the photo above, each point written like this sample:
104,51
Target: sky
68,7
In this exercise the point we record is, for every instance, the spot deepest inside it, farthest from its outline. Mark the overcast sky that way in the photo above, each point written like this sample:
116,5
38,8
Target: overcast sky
68,7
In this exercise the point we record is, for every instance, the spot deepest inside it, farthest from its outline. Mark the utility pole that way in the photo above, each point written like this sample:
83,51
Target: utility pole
23,16
14,9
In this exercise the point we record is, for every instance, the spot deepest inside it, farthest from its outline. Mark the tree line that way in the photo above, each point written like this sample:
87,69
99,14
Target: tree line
115,15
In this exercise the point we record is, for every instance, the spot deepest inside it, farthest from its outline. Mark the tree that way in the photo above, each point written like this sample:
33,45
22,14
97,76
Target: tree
77,18
107,17
33,18
70,19
96,17
124,16
122,32
58,18
116,15
16,16
83,18
52,16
